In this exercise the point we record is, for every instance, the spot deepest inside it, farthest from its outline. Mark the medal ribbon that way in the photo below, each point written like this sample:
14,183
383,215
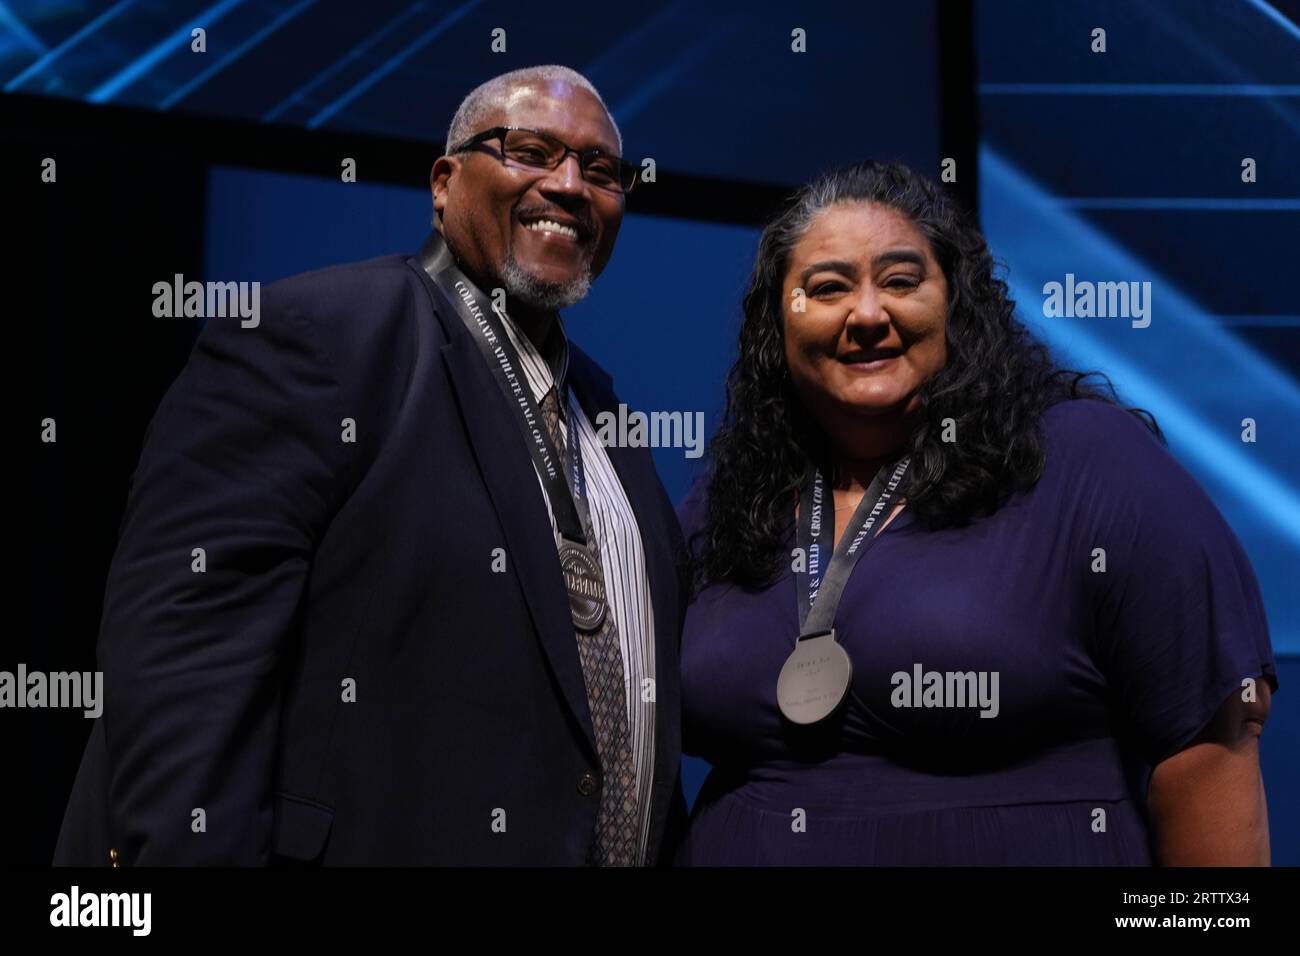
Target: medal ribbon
566,493
824,582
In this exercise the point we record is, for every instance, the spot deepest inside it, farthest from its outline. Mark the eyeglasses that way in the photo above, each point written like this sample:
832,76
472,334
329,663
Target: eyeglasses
528,147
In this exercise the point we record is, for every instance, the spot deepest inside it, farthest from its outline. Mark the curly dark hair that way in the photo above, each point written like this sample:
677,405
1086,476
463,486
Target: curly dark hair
996,383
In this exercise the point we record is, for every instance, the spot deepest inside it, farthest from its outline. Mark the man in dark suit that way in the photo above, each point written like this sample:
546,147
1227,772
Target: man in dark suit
357,614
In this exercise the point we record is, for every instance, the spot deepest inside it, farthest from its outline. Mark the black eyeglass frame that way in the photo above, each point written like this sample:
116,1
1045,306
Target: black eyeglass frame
625,169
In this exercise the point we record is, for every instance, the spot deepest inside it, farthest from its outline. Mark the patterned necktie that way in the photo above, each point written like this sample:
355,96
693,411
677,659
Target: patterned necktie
618,827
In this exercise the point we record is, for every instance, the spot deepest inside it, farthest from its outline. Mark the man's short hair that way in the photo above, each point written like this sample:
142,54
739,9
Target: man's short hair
486,97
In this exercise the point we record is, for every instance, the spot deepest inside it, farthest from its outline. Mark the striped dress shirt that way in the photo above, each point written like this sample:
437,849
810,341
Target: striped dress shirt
627,585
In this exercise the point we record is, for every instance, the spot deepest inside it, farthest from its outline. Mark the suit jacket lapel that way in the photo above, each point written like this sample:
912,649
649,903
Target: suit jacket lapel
511,482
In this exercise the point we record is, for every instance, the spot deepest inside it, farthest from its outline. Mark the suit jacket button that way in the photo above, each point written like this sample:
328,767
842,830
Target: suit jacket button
587,784
112,858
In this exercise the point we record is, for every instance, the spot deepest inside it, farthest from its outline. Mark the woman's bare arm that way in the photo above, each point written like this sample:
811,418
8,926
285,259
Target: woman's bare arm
1207,801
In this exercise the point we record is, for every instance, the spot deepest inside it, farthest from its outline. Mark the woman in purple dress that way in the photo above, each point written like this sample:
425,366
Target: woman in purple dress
1037,642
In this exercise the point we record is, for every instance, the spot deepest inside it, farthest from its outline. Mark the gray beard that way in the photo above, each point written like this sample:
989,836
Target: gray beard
547,296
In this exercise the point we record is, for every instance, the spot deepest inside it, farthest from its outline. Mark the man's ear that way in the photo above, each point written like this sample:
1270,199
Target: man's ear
443,169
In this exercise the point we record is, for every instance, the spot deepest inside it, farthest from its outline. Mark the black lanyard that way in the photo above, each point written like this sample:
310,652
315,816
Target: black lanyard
821,586
568,498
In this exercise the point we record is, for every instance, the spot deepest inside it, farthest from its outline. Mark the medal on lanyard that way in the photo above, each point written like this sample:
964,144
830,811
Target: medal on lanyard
584,579
581,569
815,679
584,584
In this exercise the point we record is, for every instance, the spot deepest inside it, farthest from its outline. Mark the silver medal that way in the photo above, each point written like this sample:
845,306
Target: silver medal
814,680
586,586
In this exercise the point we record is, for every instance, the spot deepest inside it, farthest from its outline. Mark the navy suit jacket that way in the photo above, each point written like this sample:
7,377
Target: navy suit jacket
333,569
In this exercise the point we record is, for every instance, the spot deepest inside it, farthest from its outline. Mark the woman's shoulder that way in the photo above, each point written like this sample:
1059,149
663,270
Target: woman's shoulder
1085,422
1106,455
1088,434
692,511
